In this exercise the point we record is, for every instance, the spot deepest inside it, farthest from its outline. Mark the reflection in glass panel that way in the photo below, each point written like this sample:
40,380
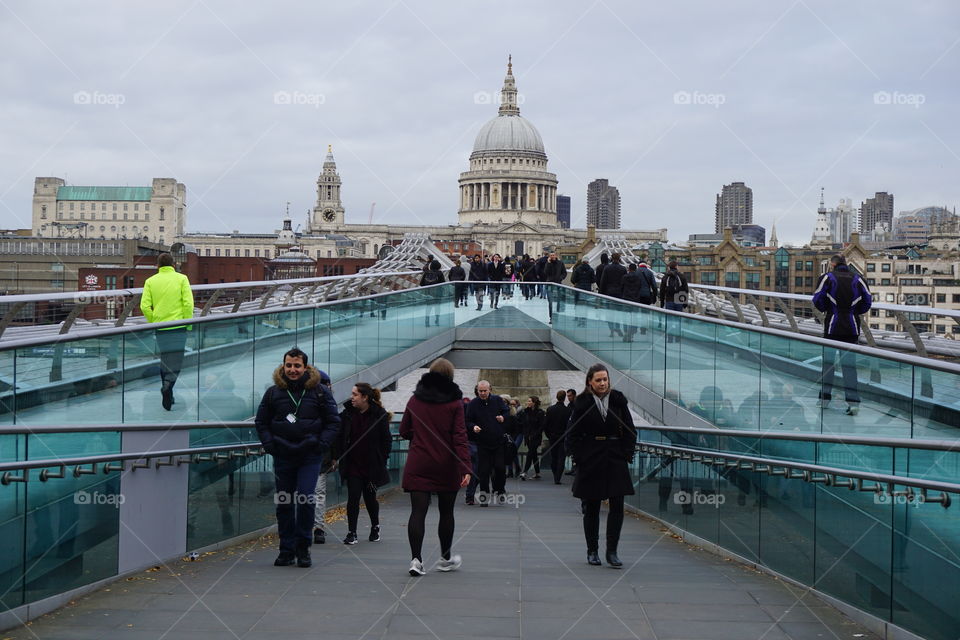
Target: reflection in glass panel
738,378
72,382
12,515
936,404
787,397
698,390
72,523
226,384
7,381
853,549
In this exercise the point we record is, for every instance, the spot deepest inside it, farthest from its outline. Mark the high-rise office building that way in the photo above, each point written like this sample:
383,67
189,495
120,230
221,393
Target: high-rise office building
563,211
734,206
875,210
603,205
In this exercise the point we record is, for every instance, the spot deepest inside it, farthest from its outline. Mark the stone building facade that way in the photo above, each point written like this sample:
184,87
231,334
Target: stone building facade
156,213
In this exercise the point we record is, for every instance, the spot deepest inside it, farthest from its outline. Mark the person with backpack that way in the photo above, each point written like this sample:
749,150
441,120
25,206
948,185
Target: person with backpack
842,296
674,291
582,277
674,294
431,276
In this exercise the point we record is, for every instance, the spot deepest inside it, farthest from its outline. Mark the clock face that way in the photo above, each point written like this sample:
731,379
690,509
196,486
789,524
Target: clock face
328,215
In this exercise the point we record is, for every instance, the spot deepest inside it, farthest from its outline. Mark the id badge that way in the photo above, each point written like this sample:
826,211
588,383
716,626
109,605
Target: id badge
291,418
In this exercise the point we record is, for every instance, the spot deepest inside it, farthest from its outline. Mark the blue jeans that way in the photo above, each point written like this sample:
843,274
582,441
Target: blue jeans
296,480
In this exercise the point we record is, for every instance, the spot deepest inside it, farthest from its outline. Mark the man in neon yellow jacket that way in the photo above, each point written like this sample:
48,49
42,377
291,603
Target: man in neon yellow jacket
167,296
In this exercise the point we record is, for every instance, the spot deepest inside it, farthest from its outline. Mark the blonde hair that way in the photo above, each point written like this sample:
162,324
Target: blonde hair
442,366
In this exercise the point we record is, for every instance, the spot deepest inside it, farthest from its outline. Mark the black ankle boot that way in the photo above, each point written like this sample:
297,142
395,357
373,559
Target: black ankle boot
304,560
593,558
613,560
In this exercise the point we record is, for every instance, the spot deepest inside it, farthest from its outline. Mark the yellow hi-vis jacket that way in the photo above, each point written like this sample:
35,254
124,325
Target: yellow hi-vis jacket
167,296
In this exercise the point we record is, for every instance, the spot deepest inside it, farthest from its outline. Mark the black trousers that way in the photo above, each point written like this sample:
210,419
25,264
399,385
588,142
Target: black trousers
558,459
491,460
356,488
591,523
170,346
532,456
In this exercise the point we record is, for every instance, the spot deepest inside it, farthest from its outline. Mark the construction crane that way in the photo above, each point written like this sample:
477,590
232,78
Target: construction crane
370,219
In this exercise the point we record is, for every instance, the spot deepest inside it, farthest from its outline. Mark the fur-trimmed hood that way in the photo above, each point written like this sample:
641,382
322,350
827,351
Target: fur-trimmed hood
434,388
313,377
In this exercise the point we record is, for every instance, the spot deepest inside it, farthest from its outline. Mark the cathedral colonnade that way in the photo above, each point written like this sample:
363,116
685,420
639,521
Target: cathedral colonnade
482,196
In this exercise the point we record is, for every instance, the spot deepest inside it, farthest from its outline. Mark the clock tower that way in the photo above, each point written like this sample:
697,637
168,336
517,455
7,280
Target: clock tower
328,212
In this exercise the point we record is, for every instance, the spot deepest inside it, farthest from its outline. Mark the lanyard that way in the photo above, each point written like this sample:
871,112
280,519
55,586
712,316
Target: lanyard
296,403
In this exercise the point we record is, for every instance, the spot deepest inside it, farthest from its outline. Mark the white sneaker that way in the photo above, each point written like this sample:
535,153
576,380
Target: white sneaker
853,410
416,568
448,565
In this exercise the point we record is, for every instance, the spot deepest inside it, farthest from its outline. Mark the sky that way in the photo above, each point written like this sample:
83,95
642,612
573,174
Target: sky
669,101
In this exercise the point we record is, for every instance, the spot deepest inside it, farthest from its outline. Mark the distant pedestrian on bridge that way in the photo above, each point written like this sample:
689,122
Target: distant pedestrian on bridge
167,296
842,296
438,460
602,440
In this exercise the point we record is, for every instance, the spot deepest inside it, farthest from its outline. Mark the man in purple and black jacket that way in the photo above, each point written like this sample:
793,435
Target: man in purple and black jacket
841,295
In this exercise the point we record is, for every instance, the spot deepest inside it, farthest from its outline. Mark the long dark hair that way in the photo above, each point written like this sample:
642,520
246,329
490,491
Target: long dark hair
536,402
371,393
593,370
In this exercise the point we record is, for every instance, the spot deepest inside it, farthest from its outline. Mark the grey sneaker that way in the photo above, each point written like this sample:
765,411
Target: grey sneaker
416,568
448,565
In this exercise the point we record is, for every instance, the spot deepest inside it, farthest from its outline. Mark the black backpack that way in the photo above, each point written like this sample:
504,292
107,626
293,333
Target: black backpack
431,277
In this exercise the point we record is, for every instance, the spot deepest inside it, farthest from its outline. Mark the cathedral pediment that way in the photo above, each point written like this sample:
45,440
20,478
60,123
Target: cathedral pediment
517,227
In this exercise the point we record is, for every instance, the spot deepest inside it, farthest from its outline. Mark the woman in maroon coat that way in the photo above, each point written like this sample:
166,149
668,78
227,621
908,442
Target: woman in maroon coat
438,460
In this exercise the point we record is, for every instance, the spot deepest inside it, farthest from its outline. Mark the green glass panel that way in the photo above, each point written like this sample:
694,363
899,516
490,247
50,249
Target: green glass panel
936,404
926,569
787,532
7,384
737,378
854,549
698,390
788,387
64,383
72,524
12,522
226,391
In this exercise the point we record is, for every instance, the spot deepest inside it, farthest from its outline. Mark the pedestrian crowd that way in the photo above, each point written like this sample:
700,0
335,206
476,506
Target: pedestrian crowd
454,443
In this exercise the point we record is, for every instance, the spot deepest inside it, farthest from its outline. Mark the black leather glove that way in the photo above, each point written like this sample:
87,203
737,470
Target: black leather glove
270,447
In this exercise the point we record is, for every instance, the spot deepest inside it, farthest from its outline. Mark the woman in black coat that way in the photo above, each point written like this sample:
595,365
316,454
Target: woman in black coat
602,441
532,420
362,453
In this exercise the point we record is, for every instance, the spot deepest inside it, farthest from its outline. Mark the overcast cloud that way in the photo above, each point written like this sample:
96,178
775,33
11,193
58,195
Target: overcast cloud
667,100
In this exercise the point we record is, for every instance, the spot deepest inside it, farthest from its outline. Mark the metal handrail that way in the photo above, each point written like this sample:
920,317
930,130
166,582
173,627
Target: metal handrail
906,358
814,473
80,463
122,428
87,465
872,441
112,330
